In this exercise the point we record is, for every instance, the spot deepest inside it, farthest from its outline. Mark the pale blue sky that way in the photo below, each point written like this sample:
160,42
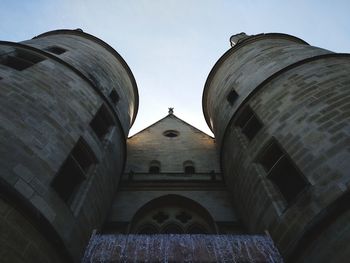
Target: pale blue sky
171,45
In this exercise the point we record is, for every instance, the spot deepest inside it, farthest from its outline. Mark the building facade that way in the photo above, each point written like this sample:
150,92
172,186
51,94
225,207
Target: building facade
278,165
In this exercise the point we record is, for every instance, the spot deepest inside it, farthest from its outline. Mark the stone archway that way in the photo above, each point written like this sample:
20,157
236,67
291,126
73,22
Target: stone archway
172,214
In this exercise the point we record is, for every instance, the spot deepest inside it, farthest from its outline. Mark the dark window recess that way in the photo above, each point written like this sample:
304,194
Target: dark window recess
232,97
20,59
154,167
248,122
114,96
154,170
282,171
171,133
160,217
189,170
189,167
183,217
102,122
73,171
56,50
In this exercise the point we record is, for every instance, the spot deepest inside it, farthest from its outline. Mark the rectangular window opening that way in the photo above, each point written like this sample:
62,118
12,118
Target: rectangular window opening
21,59
73,171
102,122
232,97
114,96
282,172
56,50
248,122
271,155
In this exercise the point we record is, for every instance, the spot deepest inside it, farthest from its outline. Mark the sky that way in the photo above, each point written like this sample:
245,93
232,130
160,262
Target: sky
171,45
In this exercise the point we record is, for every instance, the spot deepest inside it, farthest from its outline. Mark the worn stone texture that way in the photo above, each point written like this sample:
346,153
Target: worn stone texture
99,65
306,109
44,110
20,240
190,145
261,58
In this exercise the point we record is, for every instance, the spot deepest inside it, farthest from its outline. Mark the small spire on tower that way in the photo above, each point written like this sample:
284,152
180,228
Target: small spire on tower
171,110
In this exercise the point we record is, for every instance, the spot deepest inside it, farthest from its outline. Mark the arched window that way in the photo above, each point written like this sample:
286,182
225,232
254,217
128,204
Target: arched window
154,167
189,167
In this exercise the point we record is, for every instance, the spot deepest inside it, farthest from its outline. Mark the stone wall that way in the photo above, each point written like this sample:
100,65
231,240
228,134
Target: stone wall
48,102
298,97
190,145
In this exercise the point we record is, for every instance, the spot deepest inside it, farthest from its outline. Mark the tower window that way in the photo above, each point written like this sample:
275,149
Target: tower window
102,122
248,122
154,167
56,50
189,167
232,97
21,59
282,171
114,96
73,171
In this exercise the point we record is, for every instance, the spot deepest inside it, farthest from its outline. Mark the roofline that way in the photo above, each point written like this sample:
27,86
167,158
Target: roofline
80,33
176,118
228,53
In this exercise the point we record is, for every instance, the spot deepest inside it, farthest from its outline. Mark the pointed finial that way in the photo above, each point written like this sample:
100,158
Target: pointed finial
171,110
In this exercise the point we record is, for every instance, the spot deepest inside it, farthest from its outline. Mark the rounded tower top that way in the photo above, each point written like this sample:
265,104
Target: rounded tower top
81,33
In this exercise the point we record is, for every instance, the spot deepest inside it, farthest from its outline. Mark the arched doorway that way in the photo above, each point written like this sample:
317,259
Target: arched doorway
172,214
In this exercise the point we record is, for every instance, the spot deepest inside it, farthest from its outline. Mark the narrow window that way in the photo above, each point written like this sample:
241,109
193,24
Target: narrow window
56,50
189,167
21,59
248,122
73,171
114,96
282,171
232,97
102,122
154,167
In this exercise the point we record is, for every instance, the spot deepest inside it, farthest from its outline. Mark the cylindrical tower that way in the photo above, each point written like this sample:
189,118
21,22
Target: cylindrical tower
67,102
279,109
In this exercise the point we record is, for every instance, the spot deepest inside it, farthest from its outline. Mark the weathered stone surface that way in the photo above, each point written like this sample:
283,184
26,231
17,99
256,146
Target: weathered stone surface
303,108
45,109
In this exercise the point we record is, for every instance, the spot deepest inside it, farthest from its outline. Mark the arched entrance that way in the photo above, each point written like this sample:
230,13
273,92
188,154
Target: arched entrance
172,214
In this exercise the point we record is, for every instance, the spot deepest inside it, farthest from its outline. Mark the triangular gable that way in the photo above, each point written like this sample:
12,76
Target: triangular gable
175,117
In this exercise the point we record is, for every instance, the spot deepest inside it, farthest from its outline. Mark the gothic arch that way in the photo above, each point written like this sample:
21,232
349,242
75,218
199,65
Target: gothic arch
170,214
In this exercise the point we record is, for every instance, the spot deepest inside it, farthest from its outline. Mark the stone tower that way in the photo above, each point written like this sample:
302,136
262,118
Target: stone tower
279,109
67,102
